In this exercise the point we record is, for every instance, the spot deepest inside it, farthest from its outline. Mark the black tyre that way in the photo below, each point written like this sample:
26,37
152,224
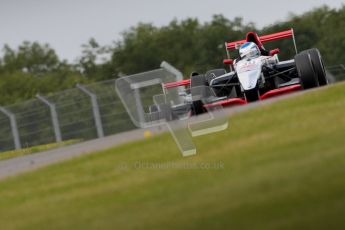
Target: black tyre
318,66
165,112
196,82
198,91
153,108
212,74
306,70
252,95
154,114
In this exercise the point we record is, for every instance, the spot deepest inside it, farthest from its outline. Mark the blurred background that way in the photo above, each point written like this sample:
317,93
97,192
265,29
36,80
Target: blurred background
48,46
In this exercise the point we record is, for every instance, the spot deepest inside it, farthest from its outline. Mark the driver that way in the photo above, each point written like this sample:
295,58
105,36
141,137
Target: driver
249,50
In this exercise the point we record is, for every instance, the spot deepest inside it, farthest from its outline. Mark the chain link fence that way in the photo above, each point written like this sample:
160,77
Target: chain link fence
68,115
82,113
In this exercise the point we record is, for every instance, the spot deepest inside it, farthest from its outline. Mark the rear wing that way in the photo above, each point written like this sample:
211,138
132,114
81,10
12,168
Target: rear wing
266,38
169,85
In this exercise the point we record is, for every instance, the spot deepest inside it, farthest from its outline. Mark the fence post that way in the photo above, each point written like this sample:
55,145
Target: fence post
95,110
14,127
54,116
138,104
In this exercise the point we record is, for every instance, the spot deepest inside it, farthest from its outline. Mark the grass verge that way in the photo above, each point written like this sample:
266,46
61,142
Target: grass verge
279,166
34,149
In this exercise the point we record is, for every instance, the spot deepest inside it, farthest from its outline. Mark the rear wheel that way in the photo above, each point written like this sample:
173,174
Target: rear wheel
166,112
228,91
306,71
154,114
153,108
198,91
212,74
252,95
162,111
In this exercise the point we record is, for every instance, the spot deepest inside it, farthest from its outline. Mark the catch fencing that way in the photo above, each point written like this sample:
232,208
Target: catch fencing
73,114
82,113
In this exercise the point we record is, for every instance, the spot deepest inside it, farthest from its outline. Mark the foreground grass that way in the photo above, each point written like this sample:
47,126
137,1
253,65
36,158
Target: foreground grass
34,149
280,166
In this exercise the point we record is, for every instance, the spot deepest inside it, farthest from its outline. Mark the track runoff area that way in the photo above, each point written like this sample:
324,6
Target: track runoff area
22,164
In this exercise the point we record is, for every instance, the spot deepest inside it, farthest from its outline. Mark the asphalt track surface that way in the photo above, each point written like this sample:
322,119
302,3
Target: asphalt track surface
22,164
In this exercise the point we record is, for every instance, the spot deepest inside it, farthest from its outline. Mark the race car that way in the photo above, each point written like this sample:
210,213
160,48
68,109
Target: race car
256,74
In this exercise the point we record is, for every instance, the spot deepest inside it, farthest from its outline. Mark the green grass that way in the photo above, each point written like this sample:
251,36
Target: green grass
283,168
34,149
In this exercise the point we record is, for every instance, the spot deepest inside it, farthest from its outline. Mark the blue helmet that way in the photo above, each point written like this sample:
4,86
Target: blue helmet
249,50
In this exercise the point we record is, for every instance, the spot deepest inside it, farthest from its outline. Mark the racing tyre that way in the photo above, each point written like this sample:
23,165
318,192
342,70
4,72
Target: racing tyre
318,66
212,74
252,95
195,83
198,91
153,110
165,112
306,71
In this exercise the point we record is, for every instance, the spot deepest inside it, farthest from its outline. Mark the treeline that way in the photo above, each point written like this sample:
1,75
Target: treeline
189,45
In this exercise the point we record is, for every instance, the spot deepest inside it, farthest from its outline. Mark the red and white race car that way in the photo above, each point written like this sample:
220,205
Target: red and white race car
256,74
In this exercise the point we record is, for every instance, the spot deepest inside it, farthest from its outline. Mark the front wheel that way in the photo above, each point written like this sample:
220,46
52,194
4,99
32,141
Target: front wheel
306,71
252,95
318,66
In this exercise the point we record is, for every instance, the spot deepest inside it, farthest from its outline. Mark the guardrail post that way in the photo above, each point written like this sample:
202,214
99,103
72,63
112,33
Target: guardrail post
95,110
54,116
14,127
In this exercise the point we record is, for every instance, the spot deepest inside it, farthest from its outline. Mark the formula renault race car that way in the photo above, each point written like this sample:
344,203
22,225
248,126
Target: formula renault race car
255,75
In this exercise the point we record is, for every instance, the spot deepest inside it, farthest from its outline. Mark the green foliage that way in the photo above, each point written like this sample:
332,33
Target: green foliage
30,57
323,28
33,68
94,62
188,44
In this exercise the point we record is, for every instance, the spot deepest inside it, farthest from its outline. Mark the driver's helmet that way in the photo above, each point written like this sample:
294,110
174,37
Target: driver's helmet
249,50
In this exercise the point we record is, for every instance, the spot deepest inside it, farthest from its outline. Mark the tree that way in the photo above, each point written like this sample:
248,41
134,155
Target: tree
33,68
187,44
30,57
94,61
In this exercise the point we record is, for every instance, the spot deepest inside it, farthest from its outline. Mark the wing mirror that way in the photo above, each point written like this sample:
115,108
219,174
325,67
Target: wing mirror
275,51
228,61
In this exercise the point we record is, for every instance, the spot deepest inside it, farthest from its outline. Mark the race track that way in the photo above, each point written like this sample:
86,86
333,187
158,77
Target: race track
14,166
